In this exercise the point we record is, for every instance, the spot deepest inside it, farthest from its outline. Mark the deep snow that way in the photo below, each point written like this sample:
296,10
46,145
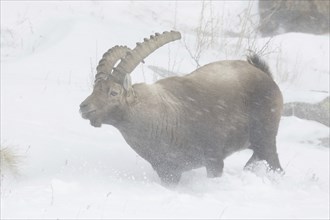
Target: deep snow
68,169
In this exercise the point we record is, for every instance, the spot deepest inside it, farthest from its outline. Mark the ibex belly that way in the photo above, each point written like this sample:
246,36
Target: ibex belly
166,145
185,145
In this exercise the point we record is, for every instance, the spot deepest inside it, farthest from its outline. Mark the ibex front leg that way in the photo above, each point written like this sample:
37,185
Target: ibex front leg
213,162
168,173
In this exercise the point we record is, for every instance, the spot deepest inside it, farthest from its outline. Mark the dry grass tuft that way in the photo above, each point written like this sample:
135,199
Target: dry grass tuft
9,161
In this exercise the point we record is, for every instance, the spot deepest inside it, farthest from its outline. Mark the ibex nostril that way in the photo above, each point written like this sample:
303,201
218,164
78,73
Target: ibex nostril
83,105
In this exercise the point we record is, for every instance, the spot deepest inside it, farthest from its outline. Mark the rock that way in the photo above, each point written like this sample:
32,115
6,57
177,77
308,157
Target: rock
307,16
318,112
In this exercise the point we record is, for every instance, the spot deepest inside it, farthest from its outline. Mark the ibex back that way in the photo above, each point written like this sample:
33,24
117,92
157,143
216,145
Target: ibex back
181,123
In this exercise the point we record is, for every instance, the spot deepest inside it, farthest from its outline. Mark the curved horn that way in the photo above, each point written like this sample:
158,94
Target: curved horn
109,59
141,51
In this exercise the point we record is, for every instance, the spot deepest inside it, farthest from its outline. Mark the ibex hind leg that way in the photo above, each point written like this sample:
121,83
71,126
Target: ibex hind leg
272,162
263,130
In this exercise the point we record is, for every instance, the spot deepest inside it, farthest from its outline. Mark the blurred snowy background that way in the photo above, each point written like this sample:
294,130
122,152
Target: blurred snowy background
58,166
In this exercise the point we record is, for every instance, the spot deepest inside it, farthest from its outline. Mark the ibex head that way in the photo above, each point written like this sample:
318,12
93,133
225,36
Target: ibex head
113,90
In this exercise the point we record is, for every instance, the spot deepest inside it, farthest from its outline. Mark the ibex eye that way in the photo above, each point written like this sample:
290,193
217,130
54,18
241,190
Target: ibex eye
113,93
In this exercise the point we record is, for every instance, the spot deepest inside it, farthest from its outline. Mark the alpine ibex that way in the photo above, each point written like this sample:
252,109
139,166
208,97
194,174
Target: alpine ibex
182,123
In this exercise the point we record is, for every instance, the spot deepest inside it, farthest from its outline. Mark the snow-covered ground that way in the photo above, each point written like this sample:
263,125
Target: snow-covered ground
69,169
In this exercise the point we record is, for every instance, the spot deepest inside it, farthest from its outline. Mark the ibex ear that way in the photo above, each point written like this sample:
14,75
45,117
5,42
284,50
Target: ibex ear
127,84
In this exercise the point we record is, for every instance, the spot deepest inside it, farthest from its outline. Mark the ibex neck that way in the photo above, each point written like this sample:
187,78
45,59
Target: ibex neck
150,107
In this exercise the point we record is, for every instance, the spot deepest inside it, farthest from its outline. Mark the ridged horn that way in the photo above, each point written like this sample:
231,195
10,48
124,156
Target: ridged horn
141,51
109,59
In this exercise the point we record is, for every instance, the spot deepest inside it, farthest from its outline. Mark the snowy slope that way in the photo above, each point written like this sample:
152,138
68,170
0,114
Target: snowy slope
69,169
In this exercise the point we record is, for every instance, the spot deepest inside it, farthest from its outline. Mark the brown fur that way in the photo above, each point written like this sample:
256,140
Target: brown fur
182,123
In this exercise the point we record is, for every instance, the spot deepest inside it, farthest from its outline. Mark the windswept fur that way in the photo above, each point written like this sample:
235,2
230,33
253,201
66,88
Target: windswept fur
197,120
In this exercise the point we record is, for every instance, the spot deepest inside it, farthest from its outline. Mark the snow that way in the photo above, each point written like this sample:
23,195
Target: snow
68,169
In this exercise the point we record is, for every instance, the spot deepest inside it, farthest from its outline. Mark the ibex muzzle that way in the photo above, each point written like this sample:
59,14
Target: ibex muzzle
181,123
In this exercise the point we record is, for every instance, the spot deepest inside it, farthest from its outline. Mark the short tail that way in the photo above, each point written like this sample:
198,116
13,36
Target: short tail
256,61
